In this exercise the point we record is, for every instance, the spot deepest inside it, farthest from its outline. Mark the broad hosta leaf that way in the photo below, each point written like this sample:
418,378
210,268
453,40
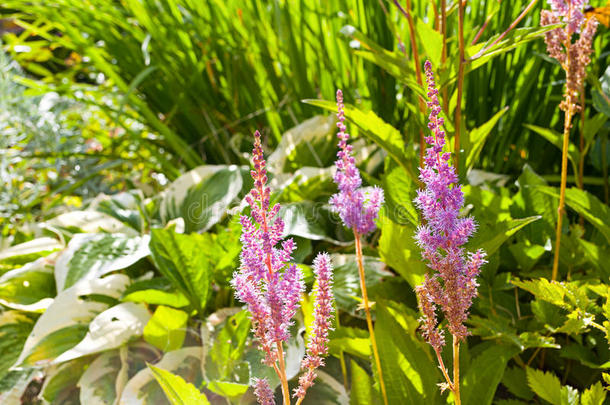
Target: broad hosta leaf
60,384
19,255
311,143
354,341
587,205
410,375
166,329
378,131
397,248
66,321
106,377
110,329
90,256
202,196
29,288
185,261
89,222
346,286
484,373
14,330
141,389
308,220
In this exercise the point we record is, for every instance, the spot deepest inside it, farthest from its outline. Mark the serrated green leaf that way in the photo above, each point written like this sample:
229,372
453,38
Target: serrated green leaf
183,259
166,329
178,391
594,395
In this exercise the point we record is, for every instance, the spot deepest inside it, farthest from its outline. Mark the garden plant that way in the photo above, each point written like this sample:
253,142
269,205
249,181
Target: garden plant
305,202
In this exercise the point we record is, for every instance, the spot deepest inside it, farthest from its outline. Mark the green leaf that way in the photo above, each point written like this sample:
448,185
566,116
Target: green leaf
91,256
307,220
399,192
491,236
166,329
547,386
178,391
431,40
587,205
60,383
410,373
142,389
354,341
515,380
397,248
378,131
594,395
202,196
549,291
183,259
228,348
227,389
65,322
485,373
362,392
30,288
23,253
476,138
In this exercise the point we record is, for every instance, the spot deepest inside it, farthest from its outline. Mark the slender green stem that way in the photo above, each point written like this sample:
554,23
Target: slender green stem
456,370
443,26
460,85
341,356
369,319
567,125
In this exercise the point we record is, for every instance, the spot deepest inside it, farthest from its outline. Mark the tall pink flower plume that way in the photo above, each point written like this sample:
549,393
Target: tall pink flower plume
317,347
266,282
453,285
357,207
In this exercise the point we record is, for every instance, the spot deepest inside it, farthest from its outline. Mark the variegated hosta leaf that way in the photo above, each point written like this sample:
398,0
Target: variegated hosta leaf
178,391
202,196
30,288
15,327
60,382
89,222
66,321
106,377
90,256
23,253
142,389
109,330
311,143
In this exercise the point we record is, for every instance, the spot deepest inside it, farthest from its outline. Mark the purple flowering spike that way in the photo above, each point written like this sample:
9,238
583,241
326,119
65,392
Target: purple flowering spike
263,392
453,286
357,207
266,282
317,347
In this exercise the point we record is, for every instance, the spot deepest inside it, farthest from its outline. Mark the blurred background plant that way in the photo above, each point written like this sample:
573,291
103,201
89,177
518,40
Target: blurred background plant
126,137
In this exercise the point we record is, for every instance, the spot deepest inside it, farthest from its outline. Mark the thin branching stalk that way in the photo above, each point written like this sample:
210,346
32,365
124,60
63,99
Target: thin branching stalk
416,61
460,85
509,29
369,319
443,26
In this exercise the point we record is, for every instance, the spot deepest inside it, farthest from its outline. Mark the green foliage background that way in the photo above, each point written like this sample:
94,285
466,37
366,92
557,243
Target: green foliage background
125,157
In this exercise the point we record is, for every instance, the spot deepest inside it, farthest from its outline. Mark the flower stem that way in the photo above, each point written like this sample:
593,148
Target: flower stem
562,189
282,374
443,26
369,320
460,84
441,365
456,370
